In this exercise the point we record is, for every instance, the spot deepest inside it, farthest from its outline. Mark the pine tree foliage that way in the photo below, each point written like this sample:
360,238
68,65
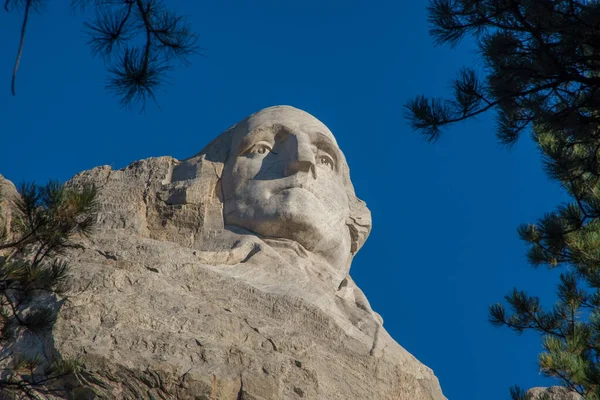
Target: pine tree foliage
541,70
540,58
139,41
44,221
568,238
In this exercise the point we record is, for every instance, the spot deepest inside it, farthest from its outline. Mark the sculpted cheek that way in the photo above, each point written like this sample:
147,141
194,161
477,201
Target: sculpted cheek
239,178
246,169
333,197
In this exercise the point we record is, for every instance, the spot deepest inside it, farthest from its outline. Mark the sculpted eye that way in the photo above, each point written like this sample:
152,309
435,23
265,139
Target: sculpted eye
326,161
260,148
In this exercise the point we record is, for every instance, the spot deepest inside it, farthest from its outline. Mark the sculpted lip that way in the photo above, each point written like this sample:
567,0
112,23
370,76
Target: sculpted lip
289,187
294,183
279,186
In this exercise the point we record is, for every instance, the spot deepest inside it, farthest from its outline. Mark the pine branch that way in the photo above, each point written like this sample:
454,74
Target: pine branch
524,45
134,75
49,216
21,44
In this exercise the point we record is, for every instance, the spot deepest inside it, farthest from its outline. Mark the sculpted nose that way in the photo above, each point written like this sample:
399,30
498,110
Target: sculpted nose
302,157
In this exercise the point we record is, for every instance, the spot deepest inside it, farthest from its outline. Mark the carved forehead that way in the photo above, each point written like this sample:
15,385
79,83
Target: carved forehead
287,116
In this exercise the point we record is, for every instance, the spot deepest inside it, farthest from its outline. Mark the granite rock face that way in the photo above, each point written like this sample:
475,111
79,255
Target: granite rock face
8,193
226,276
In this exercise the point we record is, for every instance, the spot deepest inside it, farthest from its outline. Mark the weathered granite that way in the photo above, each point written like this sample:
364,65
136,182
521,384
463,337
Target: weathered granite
8,193
553,393
226,276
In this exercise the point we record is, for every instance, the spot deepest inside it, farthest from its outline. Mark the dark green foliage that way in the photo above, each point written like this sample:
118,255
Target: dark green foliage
569,237
541,59
135,70
44,220
542,64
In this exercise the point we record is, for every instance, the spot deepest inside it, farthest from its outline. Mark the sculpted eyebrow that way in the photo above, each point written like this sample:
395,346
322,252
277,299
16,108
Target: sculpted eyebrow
326,144
252,137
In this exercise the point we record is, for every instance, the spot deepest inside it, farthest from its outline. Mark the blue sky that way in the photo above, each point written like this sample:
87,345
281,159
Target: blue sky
444,244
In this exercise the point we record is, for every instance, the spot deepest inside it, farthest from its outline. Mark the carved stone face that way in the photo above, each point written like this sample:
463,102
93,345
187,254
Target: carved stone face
284,179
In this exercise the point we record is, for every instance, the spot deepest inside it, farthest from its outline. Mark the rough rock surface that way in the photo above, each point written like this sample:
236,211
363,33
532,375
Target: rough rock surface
173,298
8,193
554,393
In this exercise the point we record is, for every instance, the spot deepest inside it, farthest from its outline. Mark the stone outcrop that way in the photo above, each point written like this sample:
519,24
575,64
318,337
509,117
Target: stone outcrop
226,276
552,393
8,193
